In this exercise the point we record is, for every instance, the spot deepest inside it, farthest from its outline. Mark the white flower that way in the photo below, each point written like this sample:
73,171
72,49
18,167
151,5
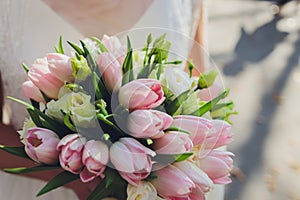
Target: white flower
28,123
144,191
138,61
176,80
78,104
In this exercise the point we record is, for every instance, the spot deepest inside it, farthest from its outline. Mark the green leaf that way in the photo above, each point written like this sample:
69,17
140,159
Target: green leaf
58,181
44,121
210,104
60,49
149,38
112,185
101,46
17,151
68,122
76,48
35,117
128,45
90,60
25,67
96,81
173,128
172,107
24,170
127,69
207,79
182,157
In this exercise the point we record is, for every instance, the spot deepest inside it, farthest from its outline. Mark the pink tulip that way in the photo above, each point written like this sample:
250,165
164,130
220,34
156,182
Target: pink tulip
197,126
115,47
43,78
95,158
141,94
40,145
111,71
200,178
148,123
218,164
60,65
219,135
131,159
32,92
71,148
173,142
171,183
210,93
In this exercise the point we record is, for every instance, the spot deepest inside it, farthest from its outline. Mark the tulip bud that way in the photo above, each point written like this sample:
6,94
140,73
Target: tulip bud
219,135
218,164
131,159
141,94
60,65
111,71
70,157
95,158
200,178
44,79
198,127
32,92
171,183
40,145
173,142
148,123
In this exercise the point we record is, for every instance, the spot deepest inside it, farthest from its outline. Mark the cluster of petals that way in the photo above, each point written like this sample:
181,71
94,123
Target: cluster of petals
87,158
47,75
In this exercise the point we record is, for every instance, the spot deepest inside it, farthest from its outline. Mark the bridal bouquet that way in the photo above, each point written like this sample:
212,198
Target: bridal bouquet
131,119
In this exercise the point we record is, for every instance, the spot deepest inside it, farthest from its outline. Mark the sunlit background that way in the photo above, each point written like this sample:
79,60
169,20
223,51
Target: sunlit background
258,51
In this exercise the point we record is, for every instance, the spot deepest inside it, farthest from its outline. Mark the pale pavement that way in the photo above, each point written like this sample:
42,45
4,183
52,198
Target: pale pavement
259,56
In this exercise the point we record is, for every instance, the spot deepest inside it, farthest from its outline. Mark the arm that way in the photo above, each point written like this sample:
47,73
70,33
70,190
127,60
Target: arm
198,54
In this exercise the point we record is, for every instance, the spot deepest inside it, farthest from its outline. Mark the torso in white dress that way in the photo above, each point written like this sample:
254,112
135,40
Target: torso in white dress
37,29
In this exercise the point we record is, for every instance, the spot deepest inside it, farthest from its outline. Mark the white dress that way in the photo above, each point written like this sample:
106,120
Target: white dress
29,29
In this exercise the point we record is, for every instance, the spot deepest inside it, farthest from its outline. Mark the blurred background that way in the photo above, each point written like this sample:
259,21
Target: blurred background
256,44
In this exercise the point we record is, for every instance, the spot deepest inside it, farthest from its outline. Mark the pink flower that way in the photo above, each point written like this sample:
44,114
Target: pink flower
173,142
32,92
217,165
200,178
115,47
197,126
131,159
60,65
111,71
95,158
148,123
141,94
219,135
40,145
71,148
171,183
43,78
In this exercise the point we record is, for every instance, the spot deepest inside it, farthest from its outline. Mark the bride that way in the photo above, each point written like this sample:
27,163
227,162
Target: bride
30,27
